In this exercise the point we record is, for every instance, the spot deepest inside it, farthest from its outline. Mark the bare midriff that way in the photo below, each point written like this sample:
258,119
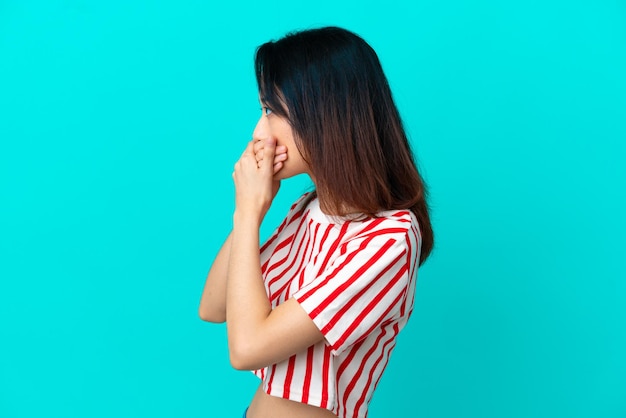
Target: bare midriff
266,406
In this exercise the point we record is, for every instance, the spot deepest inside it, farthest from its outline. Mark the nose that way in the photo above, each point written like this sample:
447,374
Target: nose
261,130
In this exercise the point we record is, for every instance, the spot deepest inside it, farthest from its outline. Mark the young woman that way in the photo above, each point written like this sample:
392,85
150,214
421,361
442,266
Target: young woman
314,312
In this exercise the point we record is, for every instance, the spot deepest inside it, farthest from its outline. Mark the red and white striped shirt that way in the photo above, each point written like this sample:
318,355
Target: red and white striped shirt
356,280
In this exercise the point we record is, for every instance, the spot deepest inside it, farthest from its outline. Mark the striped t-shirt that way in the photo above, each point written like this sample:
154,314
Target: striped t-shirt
356,280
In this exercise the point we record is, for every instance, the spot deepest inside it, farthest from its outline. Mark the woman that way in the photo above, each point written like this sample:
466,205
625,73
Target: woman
314,312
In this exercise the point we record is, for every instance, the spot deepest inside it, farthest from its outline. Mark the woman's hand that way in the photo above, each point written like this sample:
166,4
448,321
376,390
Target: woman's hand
255,186
254,328
280,155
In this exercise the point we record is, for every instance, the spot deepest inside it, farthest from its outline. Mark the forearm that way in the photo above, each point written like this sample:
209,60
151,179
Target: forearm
257,334
213,302
247,304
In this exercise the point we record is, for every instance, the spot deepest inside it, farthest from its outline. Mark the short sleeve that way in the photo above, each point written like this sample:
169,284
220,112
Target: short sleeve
361,289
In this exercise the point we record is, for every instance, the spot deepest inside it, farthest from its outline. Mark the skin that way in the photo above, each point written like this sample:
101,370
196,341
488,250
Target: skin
259,336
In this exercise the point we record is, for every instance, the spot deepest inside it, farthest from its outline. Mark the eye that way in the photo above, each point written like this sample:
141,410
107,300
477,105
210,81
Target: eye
266,110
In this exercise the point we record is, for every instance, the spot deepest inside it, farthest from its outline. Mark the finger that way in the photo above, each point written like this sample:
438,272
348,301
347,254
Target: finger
247,157
258,149
279,158
258,146
249,151
268,155
278,166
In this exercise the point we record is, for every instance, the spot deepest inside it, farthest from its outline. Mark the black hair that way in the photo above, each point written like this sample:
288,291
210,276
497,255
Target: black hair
330,85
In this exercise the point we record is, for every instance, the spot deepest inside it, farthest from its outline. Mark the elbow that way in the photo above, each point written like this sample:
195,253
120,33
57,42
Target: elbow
211,315
242,356
238,363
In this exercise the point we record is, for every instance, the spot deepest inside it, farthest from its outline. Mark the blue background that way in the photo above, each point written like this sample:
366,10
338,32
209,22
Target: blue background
119,126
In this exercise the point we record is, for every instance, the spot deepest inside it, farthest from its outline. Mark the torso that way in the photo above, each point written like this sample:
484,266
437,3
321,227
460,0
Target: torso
355,278
266,406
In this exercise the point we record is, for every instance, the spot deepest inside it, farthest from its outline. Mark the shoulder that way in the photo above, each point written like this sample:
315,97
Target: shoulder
397,230
400,224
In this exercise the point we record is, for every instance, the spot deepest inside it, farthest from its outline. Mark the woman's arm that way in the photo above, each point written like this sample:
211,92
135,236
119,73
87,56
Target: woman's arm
213,301
257,335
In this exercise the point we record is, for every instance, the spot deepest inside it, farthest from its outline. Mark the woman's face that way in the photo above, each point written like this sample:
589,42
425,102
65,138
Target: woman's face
270,125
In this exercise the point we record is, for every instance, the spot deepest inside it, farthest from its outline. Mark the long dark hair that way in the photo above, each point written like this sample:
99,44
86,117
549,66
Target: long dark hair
329,84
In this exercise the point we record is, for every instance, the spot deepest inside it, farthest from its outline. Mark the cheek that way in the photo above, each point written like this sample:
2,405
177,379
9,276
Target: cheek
289,144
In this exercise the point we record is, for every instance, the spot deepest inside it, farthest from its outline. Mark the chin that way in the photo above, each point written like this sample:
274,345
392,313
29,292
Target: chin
281,175
285,174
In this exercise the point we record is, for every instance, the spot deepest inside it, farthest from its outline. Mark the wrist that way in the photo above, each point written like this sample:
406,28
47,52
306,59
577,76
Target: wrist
247,221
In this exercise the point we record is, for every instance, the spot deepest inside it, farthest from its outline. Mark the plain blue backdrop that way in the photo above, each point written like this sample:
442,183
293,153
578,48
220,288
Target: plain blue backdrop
120,123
